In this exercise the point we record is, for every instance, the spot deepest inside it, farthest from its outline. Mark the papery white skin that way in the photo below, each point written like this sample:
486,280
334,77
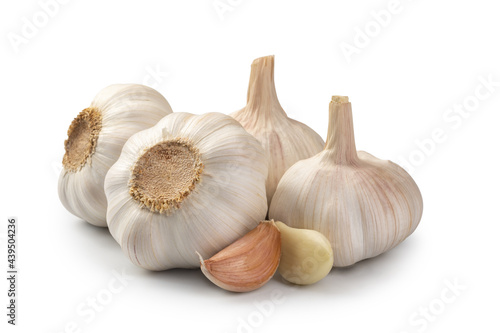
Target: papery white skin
285,140
227,202
364,206
126,109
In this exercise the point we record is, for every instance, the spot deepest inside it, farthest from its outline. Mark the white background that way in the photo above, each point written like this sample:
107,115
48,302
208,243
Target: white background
430,57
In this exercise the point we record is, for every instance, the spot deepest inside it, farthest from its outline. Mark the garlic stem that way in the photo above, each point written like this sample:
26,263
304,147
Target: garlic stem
261,96
340,143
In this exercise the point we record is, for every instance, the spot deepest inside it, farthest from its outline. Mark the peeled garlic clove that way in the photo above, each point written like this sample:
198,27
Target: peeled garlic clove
306,255
95,139
248,263
285,140
190,183
363,205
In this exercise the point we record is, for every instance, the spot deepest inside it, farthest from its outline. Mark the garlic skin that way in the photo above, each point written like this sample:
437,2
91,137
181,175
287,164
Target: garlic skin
95,139
190,183
306,255
285,140
365,206
248,263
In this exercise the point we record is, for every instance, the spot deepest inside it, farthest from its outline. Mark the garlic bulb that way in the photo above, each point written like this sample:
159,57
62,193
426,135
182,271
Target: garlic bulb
248,263
285,140
363,205
95,140
190,183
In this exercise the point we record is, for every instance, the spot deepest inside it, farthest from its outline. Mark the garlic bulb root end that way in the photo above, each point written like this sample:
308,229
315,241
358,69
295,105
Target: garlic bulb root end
165,174
82,139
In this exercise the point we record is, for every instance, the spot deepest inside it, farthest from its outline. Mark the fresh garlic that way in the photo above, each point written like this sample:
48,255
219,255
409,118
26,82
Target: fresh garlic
95,139
248,263
285,140
306,255
365,206
190,183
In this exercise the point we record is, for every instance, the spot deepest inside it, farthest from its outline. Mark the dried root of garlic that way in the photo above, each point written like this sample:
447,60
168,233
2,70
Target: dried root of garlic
248,263
306,255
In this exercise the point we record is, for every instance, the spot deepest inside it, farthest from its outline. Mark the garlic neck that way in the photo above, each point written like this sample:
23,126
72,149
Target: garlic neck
340,145
261,97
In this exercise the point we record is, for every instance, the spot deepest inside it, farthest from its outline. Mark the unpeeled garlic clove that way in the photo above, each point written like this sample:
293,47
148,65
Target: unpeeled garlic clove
248,263
285,140
306,255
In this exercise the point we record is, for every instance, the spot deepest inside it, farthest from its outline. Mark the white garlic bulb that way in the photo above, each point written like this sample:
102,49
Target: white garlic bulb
190,183
95,140
285,140
363,205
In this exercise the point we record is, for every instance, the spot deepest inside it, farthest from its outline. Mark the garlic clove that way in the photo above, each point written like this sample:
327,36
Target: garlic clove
248,263
190,183
285,140
364,206
306,255
95,139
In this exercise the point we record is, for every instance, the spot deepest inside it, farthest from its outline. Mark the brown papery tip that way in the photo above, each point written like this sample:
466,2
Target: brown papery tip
340,99
82,139
165,175
267,60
